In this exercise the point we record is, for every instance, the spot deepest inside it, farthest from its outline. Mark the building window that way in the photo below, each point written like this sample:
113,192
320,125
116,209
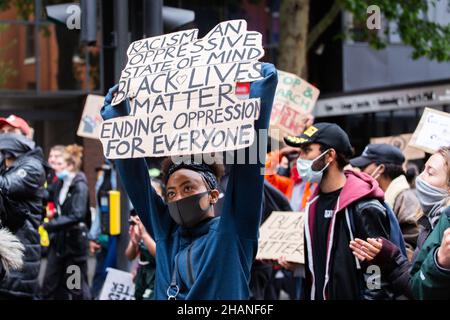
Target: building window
29,45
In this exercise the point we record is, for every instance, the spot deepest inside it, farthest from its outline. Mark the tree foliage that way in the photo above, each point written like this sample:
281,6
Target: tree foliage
427,38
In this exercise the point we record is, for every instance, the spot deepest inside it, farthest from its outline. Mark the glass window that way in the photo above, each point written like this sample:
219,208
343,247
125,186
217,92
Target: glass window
52,59
17,71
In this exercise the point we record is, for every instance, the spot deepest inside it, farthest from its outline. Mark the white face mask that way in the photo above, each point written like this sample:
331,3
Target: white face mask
304,168
376,173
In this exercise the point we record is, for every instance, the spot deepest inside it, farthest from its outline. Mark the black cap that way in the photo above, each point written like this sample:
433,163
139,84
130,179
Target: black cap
329,134
379,153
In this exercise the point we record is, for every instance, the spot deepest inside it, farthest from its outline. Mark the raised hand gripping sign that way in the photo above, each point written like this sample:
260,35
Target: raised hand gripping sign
182,94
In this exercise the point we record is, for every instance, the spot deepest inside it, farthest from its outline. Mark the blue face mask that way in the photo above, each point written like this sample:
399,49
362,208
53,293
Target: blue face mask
62,174
304,168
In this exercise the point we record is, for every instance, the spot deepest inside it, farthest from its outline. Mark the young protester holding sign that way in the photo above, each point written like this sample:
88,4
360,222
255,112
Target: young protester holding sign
429,277
200,256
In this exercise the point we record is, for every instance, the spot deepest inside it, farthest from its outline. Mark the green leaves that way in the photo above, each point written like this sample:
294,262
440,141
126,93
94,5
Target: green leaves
427,38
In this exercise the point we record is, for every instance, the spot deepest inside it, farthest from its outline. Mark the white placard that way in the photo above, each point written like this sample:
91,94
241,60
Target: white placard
294,101
432,132
118,286
282,235
182,94
91,119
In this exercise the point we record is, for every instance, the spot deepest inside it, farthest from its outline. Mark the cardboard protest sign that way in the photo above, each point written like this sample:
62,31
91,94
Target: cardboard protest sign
118,285
401,141
91,119
294,101
182,97
432,132
282,235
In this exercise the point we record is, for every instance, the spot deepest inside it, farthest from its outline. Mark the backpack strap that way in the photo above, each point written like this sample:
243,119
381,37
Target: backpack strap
395,233
351,228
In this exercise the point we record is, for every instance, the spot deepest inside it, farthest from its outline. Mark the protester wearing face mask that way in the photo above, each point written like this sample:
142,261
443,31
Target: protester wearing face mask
288,181
200,256
429,276
68,230
332,272
56,163
384,162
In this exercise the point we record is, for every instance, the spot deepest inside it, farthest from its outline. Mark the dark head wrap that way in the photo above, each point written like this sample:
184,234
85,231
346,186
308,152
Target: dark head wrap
203,169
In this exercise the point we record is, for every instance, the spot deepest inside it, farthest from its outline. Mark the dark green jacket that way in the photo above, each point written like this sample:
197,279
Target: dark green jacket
428,280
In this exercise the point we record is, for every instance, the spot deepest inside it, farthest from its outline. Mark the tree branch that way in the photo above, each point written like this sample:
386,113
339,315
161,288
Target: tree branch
323,24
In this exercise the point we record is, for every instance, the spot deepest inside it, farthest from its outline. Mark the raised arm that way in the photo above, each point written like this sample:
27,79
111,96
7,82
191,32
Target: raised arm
136,180
243,199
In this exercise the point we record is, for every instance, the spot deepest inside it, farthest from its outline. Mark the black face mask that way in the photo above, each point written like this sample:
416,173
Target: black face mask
187,211
285,172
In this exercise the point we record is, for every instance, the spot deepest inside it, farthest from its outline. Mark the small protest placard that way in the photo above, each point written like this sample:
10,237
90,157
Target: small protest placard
401,141
118,285
182,93
282,235
91,119
432,132
294,100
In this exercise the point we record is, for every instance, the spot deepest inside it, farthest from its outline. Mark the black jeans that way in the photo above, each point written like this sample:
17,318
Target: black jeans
65,277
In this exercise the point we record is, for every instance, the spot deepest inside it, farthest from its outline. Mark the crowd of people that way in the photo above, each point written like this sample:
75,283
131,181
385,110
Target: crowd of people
194,225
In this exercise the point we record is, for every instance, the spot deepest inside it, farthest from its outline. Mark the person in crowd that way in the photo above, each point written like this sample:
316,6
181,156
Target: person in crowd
342,197
429,275
296,189
15,124
55,157
412,171
22,177
11,253
68,231
100,243
269,279
200,256
55,162
141,244
384,162
284,168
